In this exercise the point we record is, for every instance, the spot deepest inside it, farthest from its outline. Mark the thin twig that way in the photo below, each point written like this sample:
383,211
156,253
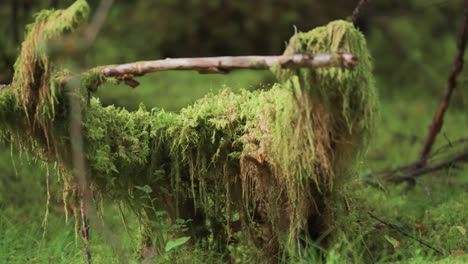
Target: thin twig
411,171
85,231
450,86
357,9
461,143
398,229
98,21
462,157
77,144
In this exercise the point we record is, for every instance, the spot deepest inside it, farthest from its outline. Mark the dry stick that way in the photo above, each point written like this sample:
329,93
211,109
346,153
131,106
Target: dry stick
79,164
450,86
410,171
85,231
398,229
98,21
224,64
76,134
427,169
419,167
357,9
408,168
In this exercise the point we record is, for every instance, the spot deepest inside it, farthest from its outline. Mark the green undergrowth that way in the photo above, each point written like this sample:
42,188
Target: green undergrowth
224,155
274,159
438,202
433,212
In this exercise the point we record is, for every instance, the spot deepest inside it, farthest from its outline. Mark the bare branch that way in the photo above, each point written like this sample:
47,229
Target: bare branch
98,21
398,229
224,64
412,175
450,86
85,231
357,10
77,145
444,157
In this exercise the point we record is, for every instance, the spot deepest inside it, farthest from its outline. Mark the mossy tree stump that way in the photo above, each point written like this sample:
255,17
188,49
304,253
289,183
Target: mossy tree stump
274,161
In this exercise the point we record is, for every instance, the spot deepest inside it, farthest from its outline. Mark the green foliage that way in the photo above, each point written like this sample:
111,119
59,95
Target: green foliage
202,152
175,243
336,113
152,160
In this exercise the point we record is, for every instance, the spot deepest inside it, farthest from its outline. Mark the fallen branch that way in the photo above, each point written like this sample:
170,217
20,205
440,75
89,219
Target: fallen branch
224,64
411,176
411,171
399,230
450,86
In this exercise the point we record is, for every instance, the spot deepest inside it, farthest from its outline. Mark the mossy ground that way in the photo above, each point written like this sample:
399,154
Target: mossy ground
353,228
438,201
254,153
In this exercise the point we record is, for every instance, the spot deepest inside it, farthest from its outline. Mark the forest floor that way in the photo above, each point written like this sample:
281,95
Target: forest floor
435,212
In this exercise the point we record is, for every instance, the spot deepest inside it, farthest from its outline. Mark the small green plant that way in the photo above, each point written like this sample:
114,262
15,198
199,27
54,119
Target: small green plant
166,235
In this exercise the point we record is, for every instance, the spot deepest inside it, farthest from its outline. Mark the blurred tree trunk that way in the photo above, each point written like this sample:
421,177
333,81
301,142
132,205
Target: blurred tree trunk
14,21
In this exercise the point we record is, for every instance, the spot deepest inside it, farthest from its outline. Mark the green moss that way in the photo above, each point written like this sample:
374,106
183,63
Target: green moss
354,87
272,157
327,129
92,79
34,72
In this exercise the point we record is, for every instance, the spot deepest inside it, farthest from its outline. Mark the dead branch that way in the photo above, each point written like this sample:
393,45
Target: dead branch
85,231
98,21
409,173
224,64
441,158
357,10
399,230
463,142
412,175
450,86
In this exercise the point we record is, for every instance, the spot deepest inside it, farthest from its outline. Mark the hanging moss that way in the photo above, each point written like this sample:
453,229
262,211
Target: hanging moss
276,158
34,72
330,123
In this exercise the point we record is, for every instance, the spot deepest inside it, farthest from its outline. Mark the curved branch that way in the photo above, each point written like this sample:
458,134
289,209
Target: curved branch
457,67
411,176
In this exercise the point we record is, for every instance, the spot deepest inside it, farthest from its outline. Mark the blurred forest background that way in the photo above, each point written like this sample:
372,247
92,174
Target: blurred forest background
413,43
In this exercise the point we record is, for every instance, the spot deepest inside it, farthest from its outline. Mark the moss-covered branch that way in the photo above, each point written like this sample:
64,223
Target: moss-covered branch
275,159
